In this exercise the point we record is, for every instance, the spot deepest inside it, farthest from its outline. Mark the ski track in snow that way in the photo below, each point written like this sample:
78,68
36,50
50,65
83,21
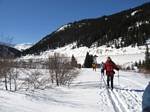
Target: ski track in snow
130,99
125,100
87,93
115,101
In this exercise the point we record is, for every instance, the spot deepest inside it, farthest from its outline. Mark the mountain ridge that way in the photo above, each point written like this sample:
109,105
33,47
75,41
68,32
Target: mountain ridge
22,46
7,51
128,27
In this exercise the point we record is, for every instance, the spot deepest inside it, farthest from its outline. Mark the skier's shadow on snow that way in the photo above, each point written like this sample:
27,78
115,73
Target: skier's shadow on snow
131,90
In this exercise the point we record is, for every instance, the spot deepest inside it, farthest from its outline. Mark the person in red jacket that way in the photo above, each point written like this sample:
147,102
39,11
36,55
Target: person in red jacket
109,66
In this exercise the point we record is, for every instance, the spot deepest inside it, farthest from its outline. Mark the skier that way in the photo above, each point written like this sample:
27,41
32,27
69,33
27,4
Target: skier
109,66
102,68
94,65
146,99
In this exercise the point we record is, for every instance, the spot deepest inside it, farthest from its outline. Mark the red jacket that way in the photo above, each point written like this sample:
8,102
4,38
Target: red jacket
109,66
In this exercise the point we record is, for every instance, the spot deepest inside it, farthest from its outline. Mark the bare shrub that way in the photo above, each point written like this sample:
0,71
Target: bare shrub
5,71
15,78
35,80
60,69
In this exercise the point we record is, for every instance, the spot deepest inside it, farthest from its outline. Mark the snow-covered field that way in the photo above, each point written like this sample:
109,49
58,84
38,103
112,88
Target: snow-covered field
122,56
87,93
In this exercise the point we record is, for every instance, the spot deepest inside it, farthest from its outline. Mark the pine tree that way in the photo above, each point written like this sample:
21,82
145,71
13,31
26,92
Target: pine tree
91,60
143,62
136,64
147,58
140,64
88,60
73,61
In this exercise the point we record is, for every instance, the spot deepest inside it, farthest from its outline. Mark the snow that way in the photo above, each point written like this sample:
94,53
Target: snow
23,46
134,12
106,19
138,24
87,93
63,27
121,56
148,41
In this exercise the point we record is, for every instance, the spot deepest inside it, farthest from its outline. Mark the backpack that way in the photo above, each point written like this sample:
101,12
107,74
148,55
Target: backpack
109,67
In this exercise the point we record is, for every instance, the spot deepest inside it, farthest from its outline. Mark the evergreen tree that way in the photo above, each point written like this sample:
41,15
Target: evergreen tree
143,62
91,60
73,61
147,58
88,60
136,64
140,64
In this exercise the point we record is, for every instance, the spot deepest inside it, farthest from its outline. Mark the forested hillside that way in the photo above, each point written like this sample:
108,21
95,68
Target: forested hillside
129,27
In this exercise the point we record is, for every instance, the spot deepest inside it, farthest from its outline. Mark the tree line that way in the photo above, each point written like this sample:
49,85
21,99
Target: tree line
145,64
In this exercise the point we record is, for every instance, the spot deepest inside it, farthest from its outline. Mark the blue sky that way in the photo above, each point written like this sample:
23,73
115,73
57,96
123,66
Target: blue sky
28,21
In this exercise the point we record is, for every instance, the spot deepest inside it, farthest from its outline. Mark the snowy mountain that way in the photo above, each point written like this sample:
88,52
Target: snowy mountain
63,27
22,47
123,29
122,56
32,83
7,51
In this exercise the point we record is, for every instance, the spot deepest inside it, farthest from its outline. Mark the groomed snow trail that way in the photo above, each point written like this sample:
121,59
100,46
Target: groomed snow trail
127,95
87,93
117,104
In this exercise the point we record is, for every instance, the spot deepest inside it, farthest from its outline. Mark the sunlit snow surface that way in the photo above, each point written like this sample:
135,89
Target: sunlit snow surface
121,56
23,46
87,93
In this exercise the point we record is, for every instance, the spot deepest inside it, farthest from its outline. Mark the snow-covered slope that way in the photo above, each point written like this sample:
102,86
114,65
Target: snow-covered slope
23,46
87,93
63,27
134,12
120,56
